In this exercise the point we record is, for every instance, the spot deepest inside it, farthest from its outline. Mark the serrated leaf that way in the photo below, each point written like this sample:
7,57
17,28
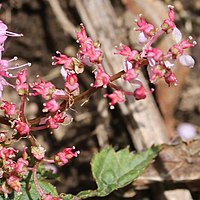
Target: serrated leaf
113,170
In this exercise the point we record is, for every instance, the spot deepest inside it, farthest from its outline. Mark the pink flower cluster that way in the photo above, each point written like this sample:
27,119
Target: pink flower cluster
56,102
11,171
14,168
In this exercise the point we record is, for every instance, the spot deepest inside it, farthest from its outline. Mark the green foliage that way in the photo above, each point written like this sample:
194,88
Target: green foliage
111,170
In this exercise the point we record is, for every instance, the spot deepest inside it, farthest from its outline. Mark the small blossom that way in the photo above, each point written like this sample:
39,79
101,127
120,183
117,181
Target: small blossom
21,166
65,155
140,93
170,78
51,106
89,52
154,53
8,108
14,183
71,82
101,78
130,75
44,89
64,60
155,72
38,152
7,152
82,36
146,28
55,120
21,85
132,55
168,25
21,127
116,97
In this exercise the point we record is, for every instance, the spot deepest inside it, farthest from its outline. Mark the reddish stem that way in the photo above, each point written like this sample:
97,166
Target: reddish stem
64,105
21,115
34,170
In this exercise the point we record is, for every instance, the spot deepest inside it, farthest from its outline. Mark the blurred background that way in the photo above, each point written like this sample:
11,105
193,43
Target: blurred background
50,25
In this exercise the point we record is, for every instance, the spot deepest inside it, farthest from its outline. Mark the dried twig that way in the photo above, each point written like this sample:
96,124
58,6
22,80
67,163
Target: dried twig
64,22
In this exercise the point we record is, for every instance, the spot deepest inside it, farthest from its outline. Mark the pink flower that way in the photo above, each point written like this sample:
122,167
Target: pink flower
21,85
155,72
89,52
64,60
7,152
154,53
130,75
65,155
44,89
116,97
22,127
14,183
21,166
132,55
82,36
55,120
147,29
38,152
168,24
71,82
9,108
140,93
51,106
170,78
101,78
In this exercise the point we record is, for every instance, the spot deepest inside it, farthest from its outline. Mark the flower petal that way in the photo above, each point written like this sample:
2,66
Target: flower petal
186,60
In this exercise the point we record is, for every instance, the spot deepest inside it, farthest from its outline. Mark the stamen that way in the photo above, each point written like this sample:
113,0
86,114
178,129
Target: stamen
20,66
8,33
15,58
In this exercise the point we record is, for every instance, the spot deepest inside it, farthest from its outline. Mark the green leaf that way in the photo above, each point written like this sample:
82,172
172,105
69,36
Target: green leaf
113,170
32,194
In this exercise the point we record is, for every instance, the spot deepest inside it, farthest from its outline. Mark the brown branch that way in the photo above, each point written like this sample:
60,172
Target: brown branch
63,106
